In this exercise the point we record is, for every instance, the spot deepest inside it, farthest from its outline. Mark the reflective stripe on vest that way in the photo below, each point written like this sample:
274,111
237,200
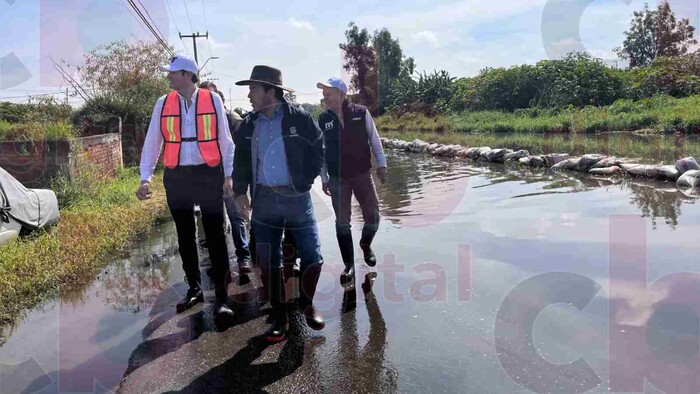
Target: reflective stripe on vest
207,121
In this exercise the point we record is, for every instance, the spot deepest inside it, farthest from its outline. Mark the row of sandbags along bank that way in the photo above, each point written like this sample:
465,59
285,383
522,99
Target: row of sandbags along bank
685,173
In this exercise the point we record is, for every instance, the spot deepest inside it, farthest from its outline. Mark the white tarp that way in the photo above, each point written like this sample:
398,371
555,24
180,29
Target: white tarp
34,208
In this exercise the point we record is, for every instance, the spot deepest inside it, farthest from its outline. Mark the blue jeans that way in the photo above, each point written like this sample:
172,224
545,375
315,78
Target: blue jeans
284,209
238,229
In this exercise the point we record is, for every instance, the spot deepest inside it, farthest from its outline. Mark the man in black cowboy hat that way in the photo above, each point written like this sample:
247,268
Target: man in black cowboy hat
279,153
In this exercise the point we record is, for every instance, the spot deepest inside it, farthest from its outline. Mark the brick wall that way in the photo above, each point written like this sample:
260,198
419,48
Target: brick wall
36,163
104,152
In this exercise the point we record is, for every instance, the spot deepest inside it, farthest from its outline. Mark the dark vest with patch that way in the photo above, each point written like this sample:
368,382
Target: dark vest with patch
348,150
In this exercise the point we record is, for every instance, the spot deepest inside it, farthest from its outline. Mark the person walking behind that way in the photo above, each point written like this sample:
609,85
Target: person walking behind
279,153
351,138
198,159
236,217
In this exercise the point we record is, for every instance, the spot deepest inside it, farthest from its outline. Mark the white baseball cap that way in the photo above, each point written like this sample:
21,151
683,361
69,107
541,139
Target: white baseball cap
181,63
334,82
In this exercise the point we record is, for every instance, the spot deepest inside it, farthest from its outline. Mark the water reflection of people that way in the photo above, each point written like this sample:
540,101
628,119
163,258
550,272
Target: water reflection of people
365,369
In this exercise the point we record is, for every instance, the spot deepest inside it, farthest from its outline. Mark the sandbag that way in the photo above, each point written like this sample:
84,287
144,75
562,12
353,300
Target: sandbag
568,164
537,161
669,173
462,153
687,164
554,158
608,162
515,156
473,153
482,151
453,150
689,180
497,155
586,162
648,171
612,170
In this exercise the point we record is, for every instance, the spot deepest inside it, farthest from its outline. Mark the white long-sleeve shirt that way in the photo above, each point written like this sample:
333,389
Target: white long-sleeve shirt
374,141
189,151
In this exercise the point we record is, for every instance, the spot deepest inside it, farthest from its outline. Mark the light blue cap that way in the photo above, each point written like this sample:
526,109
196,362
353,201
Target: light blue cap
334,82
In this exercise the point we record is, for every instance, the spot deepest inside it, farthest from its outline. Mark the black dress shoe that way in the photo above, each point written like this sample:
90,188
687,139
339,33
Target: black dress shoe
348,275
245,266
370,258
313,318
277,331
222,310
369,282
194,296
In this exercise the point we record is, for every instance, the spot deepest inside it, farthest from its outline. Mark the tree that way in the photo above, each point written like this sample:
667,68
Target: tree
388,64
126,72
359,60
653,34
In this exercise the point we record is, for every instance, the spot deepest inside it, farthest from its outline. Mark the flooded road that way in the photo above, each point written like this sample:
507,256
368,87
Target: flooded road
491,279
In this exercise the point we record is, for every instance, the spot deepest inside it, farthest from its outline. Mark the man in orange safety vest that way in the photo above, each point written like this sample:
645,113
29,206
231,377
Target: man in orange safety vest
198,159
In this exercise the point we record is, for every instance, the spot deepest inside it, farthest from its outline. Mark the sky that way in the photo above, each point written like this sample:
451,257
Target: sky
301,37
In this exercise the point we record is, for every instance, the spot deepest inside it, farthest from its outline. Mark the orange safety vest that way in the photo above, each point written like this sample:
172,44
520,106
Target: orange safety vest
207,129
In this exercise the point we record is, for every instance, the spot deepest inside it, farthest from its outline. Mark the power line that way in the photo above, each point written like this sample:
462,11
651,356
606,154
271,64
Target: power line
131,12
188,14
31,95
204,11
195,36
71,81
182,42
152,21
151,28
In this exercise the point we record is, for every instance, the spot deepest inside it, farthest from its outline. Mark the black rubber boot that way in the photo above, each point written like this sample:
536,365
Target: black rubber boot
348,254
368,233
278,330
309,276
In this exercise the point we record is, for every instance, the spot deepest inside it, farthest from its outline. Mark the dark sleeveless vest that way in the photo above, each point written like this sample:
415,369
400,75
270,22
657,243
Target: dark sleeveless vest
348,150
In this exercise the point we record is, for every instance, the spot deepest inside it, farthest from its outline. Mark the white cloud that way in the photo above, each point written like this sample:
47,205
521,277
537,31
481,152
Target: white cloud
302,25
468,11
425,37
305,56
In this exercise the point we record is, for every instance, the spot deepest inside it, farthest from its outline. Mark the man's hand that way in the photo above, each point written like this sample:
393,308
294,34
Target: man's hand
228,186
381,174
243,206
327,189
144,191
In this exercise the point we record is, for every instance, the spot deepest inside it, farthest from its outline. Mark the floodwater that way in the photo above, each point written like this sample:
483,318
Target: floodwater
491,279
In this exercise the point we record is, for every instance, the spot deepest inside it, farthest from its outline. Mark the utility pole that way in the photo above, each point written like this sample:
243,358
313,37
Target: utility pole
194,42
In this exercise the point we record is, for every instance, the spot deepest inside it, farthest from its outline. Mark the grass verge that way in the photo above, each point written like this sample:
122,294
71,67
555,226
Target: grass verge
660,113
99,217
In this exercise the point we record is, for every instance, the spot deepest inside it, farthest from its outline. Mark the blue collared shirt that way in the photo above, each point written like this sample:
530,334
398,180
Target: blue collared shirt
272,168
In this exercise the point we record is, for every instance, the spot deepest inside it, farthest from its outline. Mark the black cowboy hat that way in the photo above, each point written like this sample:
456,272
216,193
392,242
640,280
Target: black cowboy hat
266,75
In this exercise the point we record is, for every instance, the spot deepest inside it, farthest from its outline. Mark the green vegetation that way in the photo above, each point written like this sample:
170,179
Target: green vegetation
660,113
35,131
99,217
577,93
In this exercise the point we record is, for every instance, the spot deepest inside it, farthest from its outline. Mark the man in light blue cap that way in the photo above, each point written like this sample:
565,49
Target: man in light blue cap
351,139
